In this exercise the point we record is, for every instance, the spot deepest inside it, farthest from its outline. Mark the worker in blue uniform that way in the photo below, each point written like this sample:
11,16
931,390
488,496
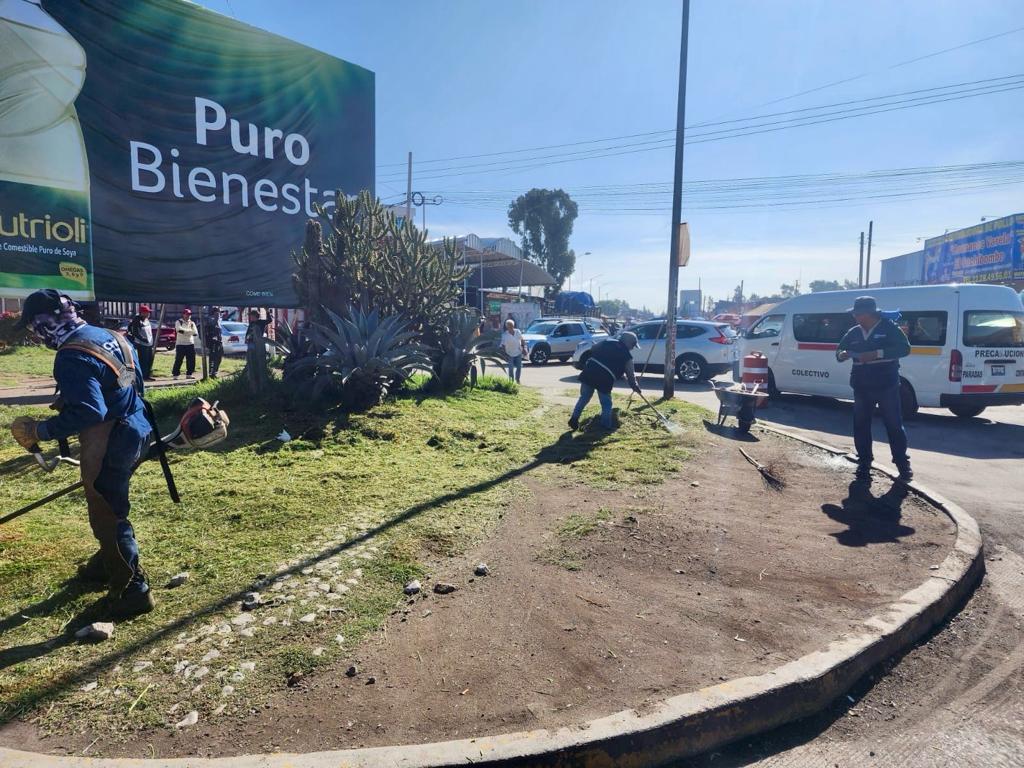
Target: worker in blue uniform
876,344
101,386
608,362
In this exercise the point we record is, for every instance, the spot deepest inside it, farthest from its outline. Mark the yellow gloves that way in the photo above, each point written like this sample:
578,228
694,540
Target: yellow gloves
24,430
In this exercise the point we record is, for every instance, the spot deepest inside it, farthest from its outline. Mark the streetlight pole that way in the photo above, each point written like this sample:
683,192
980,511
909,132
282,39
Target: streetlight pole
677,204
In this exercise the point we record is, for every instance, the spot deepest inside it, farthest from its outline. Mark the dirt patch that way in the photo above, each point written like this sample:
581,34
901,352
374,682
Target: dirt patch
599,601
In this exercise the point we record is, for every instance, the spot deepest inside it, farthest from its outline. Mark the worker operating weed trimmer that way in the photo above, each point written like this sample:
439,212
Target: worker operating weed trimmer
101,400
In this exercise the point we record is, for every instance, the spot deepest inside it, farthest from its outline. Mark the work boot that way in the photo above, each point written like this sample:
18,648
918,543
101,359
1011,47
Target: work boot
134,600
574,422
93,570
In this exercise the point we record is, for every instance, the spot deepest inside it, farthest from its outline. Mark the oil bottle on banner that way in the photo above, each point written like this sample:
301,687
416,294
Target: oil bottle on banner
45,222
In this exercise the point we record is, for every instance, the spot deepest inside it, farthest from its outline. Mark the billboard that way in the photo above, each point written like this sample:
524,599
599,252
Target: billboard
990,252
155,150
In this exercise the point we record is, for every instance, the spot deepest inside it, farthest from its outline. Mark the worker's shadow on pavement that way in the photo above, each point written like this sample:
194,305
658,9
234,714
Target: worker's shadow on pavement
870,519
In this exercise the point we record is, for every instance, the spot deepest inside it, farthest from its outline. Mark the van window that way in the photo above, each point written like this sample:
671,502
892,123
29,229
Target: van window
767,327
926,329
993,329
822,327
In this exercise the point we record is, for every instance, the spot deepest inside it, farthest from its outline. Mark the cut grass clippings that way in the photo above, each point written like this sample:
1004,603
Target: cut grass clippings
330,524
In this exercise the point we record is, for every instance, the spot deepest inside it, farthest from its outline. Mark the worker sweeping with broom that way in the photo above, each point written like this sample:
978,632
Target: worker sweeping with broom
101,385
609,360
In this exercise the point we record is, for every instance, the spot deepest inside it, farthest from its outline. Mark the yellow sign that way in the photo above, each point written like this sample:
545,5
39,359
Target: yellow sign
74,272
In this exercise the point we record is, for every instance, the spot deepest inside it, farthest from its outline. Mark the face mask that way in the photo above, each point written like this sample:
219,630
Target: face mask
54,329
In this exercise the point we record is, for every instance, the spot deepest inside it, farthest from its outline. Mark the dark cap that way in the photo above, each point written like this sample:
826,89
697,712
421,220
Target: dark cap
864,305
46,301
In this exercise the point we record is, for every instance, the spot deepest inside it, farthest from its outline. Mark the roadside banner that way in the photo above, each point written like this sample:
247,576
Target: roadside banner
156,150
992,251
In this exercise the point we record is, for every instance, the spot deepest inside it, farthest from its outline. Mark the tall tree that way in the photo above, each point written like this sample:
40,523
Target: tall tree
543,219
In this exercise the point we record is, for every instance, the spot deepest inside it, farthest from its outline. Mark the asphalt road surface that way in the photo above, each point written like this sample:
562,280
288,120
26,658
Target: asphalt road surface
958,698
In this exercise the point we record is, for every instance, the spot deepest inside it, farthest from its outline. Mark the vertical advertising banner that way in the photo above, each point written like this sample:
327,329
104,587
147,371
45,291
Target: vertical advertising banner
988,252
154,150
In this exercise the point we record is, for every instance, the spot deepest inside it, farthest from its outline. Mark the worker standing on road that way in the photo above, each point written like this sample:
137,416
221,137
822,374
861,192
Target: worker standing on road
608,361
100,382
876,345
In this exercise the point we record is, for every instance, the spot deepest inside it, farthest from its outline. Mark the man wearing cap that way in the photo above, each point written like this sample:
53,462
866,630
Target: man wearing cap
876,345
100,382
609,360
185,332
140,333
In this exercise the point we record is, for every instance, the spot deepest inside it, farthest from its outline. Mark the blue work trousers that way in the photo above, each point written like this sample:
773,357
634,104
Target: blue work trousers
887,399
605,398
515,368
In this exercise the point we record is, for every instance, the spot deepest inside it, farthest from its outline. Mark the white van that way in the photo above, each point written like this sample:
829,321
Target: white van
967,345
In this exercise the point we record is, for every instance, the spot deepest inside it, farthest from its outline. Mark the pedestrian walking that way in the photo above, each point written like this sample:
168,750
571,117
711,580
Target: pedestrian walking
214,340
185,332
514,344
100,382
875,345
609,360
142,335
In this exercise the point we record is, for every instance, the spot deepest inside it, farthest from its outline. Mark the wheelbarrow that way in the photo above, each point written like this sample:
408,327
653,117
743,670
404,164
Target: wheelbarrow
740,402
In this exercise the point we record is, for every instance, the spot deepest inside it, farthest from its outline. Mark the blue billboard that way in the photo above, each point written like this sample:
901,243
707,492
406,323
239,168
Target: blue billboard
990,252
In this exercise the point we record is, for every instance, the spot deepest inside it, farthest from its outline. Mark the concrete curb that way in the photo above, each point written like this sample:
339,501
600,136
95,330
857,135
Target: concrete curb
679,727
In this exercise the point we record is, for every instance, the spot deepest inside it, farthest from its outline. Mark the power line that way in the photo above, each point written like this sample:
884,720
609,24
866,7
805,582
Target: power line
872,106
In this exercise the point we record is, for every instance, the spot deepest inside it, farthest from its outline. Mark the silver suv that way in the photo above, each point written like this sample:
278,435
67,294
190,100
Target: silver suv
703,349
558,339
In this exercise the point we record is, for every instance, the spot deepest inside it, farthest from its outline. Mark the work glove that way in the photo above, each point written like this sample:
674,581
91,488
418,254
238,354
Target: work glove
25,432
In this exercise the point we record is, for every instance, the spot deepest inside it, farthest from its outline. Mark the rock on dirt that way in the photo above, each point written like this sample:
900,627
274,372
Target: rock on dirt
352,671
444,588
412,588
190,719
96,632
481,569
177,580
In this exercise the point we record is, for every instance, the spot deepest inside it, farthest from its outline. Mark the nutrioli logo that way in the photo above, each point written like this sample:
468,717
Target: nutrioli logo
74,230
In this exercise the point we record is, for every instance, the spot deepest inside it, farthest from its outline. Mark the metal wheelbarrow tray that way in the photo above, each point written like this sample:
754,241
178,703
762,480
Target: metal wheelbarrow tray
741,403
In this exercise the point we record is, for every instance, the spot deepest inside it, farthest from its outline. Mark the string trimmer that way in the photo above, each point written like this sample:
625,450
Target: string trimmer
202,426
672,428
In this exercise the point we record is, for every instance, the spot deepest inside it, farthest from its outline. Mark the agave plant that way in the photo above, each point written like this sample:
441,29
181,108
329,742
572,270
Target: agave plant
361,357
459,350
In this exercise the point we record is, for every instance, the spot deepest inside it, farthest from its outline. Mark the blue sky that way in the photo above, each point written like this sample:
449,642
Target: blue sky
466,77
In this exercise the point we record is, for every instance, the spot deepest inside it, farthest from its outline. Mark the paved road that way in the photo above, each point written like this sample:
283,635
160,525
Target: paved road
962,692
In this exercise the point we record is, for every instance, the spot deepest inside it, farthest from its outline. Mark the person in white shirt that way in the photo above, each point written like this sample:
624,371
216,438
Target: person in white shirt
514,344
185,332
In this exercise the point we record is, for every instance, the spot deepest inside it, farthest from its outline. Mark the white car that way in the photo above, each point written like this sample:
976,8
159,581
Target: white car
233,335
703,349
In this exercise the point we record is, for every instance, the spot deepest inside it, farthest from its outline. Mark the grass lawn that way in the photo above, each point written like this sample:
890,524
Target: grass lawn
22,362
330,525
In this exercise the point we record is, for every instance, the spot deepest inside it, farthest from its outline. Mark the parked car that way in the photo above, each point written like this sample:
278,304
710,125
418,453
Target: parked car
558,339
233,334
966,345
704,349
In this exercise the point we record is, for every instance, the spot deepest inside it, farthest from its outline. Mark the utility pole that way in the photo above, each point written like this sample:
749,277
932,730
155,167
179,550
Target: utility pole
860,269
408,194
669,388
867,271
